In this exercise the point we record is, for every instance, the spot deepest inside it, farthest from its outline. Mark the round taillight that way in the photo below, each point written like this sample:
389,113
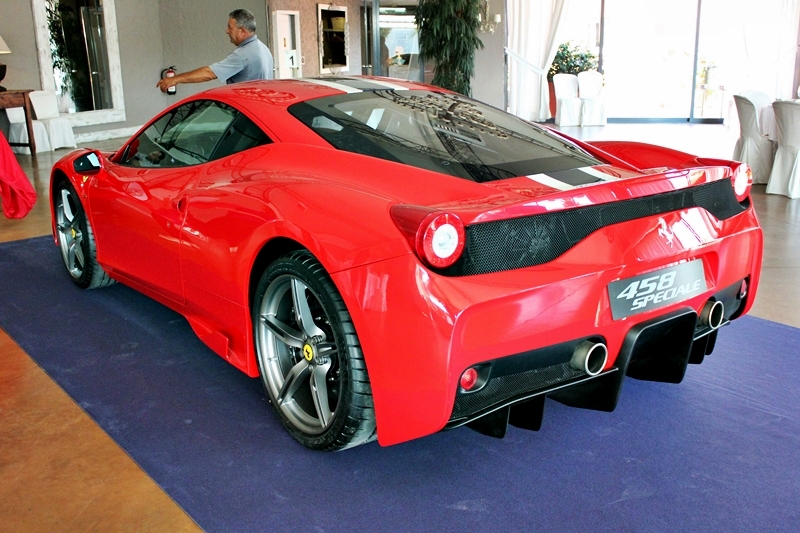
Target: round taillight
469,379
742,180
441,240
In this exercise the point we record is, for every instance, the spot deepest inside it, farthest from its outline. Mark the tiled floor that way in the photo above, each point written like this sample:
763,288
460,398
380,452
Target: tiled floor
60,472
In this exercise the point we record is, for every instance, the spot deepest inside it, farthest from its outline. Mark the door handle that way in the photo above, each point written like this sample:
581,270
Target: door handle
180,204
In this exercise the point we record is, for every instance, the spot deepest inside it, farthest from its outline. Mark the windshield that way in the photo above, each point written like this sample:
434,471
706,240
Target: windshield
445,133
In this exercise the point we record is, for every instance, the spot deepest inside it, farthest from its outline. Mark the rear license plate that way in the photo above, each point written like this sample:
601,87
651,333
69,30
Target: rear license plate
663,287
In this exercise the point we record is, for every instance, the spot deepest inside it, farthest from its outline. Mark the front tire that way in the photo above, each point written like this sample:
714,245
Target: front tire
76,240
309,356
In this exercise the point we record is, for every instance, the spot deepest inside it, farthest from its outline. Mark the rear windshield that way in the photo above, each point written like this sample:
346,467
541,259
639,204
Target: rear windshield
445,133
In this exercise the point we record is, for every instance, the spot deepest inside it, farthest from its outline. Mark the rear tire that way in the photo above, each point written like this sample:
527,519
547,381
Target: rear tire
309,356
76,240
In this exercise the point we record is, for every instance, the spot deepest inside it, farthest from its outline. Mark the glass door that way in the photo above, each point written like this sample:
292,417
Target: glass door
393,50
367,44
648,58
740,49
94,37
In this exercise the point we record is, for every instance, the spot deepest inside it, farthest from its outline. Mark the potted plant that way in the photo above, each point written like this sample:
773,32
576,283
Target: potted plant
568,61
448,35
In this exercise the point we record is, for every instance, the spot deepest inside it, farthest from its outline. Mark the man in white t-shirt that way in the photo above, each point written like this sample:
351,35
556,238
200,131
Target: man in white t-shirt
251,60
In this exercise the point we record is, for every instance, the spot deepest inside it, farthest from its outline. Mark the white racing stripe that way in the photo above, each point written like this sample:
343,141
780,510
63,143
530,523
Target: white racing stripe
334,85
597,174
387,85
544,179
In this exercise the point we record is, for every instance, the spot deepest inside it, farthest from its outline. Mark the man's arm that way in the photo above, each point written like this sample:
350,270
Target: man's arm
193,76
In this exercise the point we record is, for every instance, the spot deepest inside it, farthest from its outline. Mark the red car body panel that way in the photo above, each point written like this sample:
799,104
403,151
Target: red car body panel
495,315
190,238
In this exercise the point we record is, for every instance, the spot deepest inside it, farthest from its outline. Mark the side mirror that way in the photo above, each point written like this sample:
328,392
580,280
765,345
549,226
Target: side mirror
87,163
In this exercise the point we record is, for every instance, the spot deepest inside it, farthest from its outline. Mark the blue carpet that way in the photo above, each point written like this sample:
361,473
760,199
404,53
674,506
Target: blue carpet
719,452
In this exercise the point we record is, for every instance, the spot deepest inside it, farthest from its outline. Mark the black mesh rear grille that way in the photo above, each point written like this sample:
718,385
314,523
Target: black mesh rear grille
506,387
538,239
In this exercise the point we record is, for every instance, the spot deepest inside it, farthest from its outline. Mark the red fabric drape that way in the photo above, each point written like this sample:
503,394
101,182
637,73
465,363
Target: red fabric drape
16,191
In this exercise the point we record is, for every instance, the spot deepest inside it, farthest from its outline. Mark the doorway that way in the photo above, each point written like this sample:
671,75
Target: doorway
288,56
392,50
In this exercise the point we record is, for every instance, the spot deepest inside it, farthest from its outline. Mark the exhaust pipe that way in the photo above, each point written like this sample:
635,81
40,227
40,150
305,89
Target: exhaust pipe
590,357
712,314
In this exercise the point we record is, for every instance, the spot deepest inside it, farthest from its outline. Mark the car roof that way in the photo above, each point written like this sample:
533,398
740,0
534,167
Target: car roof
283,93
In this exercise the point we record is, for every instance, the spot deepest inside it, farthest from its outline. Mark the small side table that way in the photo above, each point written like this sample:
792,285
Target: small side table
20,99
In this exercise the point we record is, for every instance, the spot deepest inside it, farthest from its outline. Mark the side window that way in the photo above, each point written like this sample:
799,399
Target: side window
144,150
186,136
241,135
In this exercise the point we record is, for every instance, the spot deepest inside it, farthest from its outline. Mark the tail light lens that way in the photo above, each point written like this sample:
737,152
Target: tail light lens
441,239
742,180
468,379
436,237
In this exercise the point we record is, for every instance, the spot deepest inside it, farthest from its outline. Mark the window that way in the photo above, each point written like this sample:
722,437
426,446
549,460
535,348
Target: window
333,39
440,132
193,133
185,136
654,77
685,59
241,135
113,82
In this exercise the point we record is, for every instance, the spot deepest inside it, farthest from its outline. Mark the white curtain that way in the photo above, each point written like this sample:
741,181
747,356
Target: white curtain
532,43
754,48
759,41
786,49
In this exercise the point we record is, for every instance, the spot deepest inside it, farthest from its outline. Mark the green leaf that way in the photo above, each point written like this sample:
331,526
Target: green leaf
571,61
448,35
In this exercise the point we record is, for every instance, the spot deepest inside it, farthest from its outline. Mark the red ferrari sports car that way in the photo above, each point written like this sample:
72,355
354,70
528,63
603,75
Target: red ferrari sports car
393,259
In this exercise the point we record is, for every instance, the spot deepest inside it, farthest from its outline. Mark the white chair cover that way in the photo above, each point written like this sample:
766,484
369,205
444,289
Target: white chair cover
785,176
593,109
766,124
59,129
568,105
752,147
759,99
18,132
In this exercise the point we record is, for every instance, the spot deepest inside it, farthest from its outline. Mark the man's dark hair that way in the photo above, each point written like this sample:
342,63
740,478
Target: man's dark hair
244,19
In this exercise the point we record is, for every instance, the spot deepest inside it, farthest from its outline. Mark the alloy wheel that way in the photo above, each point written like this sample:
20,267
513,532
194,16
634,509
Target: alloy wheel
299,359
